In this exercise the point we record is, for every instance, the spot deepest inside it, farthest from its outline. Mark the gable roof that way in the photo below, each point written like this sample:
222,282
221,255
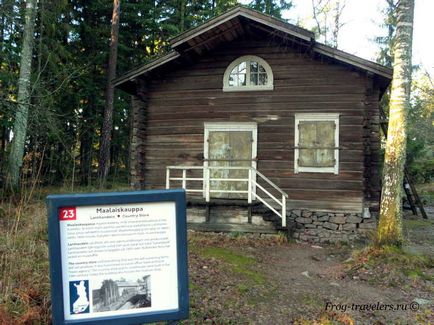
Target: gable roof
250,14
228,26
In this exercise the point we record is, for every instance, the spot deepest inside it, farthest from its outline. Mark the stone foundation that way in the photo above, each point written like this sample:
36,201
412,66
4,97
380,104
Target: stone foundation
225,215
306,225
322,227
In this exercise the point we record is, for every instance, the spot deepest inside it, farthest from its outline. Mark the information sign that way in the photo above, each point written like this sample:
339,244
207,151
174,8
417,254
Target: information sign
118,258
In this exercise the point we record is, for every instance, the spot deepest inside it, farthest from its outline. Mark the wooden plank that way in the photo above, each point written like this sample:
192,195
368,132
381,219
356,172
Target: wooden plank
220,227
328,206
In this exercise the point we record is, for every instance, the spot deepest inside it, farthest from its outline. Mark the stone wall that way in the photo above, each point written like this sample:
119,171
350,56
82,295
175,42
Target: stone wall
321,227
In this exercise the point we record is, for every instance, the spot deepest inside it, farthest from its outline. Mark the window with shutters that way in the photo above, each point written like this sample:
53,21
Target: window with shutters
316,143
248,73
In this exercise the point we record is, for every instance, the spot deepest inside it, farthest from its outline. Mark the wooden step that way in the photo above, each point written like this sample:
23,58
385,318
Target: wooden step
228,227
231,215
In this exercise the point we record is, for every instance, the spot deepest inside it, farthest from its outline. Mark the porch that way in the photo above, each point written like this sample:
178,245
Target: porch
230,198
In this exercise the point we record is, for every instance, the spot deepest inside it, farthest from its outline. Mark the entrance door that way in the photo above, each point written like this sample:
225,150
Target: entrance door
230,145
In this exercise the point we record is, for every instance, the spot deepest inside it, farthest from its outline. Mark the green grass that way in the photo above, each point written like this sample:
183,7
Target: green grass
399,258
417,273
391,266
243,288
238,263
414,224
426,192
312,300
193,286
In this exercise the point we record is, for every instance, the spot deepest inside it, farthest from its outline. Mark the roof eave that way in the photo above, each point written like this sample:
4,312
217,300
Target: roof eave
134,73
246,13
354,60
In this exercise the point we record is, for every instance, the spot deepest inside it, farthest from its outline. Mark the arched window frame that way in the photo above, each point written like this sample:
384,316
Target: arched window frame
248,87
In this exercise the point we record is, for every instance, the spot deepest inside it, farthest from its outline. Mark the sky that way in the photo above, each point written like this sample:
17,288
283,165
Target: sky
362,20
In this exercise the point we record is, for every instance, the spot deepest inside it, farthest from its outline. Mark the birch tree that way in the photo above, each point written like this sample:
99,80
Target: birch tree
104,153
15,161
390,225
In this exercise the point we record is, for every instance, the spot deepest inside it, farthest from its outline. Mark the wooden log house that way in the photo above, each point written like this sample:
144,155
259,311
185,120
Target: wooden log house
265,128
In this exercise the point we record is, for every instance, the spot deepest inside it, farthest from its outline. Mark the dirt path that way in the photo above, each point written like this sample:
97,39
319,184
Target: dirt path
312,281
256,281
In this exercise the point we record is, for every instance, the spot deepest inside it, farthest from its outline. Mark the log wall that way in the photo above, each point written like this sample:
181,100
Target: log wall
137,141
179,102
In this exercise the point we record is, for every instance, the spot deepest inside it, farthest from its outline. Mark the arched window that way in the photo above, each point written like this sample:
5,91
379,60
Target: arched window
248,73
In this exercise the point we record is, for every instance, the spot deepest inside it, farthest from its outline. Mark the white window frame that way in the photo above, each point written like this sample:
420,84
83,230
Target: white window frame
316,117
248,87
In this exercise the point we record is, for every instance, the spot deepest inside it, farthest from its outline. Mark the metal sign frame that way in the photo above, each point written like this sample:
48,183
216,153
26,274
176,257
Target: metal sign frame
55,202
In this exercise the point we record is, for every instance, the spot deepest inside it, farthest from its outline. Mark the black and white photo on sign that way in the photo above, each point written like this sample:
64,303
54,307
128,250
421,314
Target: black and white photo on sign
122,294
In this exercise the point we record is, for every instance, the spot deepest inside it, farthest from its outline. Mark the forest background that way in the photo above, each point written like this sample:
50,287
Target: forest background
66,103
69,77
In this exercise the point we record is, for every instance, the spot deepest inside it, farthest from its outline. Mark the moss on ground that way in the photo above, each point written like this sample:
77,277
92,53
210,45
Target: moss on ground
253,285
238,263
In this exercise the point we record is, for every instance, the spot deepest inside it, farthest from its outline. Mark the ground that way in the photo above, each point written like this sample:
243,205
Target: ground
246,279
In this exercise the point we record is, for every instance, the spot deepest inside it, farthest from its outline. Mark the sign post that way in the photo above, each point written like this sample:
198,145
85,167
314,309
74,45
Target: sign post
118,258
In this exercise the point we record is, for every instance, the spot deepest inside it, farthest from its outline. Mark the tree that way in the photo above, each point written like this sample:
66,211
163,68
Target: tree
327,15
10,31
89,43
420,140
104,151
21,116
271,7
390,225
386,42
70,76
337,22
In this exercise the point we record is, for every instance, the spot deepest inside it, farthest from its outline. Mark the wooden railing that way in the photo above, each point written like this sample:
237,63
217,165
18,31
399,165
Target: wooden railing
251,180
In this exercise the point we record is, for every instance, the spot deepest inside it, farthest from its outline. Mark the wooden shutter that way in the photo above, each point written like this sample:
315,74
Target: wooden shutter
306,140
316,143
325,138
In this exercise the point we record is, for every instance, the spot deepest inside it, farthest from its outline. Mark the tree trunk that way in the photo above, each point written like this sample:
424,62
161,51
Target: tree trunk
20,125
182,15
86,142
338,8
104,153
268,7
2,31
213,8
390,226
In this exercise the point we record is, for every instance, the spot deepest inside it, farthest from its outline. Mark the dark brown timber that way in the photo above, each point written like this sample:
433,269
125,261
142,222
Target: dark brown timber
180,101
